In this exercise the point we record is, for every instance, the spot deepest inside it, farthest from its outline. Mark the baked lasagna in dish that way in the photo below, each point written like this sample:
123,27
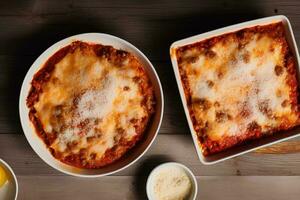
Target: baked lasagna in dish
239,86
90,104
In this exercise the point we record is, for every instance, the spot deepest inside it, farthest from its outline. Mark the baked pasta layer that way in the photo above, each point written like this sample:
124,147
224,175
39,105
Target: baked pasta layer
239,86
90,104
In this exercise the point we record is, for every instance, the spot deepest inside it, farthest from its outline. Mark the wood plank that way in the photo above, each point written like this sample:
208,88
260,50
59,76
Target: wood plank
139,7
16,7
282,148
146,25
127,187
16,151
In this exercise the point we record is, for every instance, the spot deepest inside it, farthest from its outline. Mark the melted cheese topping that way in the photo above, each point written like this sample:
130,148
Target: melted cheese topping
90,102
233,86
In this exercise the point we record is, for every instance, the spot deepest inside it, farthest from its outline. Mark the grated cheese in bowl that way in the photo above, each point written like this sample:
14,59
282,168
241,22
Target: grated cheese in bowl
171,181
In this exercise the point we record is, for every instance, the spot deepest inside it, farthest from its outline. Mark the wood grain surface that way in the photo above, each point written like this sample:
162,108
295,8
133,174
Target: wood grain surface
29,27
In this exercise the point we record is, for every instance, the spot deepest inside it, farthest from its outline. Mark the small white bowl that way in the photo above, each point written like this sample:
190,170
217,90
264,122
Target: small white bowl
12,178
150,180
136,152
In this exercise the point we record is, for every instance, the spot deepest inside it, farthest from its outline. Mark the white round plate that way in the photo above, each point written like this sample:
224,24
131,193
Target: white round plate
134,154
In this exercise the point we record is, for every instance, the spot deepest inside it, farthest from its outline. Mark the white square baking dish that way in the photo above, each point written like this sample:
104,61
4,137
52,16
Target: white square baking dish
249,146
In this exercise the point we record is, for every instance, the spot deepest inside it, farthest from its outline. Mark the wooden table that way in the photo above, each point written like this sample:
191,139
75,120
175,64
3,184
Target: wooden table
27,28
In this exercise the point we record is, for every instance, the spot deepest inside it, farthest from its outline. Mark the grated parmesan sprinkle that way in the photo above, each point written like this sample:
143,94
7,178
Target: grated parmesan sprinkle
98,102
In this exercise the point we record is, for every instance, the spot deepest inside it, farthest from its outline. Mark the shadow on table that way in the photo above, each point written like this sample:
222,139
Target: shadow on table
144,170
